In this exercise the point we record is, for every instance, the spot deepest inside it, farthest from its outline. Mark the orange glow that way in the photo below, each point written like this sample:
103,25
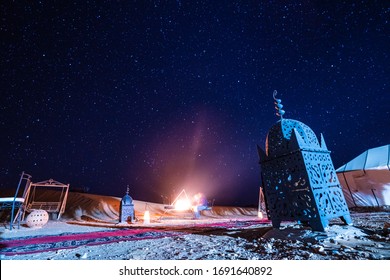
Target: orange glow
183,204
260,214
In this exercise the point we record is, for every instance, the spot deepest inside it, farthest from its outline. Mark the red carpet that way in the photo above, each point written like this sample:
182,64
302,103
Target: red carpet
30,245
67,241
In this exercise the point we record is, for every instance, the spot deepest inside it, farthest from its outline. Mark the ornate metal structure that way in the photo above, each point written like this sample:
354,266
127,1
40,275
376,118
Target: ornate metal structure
126,209
299,180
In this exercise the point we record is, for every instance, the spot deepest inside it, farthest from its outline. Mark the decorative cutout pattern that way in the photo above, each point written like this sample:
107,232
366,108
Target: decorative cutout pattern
300,184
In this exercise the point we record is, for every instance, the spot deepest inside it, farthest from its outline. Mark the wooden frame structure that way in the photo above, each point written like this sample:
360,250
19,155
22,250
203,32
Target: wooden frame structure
35,199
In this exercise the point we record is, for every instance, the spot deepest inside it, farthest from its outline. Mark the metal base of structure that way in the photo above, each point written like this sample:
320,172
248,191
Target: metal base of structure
315,224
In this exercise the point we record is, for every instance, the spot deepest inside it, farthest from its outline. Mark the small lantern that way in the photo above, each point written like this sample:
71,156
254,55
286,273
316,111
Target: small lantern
127,209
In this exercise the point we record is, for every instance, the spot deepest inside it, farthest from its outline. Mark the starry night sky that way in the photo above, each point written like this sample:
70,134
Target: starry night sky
168,95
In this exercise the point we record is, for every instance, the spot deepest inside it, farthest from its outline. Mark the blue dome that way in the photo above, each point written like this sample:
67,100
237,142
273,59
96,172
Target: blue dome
127,200
278,138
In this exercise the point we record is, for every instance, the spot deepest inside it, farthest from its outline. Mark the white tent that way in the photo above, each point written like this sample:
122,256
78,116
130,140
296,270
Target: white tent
366,178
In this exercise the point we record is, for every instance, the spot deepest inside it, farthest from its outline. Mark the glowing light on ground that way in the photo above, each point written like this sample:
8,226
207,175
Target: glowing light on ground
146,217
260,214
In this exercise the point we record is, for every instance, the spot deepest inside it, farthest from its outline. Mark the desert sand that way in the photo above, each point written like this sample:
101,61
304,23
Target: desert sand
90,230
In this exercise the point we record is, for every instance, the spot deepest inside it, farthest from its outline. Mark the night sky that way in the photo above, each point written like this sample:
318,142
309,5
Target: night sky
162,96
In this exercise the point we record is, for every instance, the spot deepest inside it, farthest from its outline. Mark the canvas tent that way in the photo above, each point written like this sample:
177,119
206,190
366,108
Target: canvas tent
366,178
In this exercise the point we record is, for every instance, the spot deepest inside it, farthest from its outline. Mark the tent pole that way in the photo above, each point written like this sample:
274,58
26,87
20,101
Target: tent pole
365,162
375,196
346,181
14,201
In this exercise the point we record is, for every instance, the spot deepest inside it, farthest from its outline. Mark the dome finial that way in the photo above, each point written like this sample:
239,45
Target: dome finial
127,190
278,105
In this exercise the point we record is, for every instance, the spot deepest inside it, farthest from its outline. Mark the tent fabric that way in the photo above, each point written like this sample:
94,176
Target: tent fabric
366,178
376,158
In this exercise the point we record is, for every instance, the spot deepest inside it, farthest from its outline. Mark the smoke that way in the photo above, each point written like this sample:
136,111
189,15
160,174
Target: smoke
194,155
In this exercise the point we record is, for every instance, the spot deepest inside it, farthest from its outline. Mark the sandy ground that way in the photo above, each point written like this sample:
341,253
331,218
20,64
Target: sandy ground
229,233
